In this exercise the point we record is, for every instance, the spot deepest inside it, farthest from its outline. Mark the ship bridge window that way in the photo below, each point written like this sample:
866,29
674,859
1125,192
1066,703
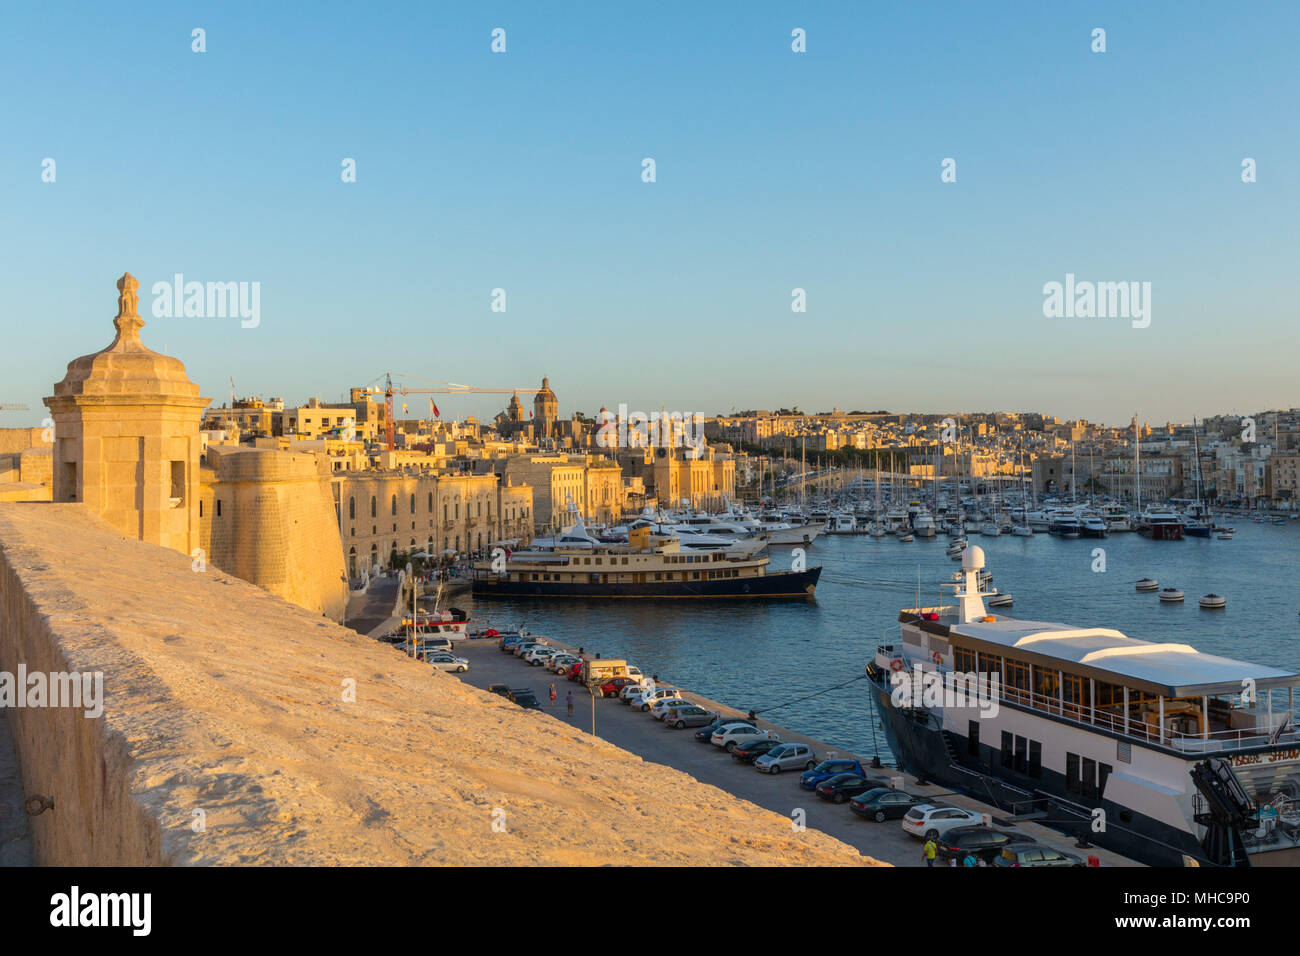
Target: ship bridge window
963,660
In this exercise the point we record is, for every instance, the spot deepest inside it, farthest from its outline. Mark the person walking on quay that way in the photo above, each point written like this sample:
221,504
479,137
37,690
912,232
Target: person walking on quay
970,860
552,696
570,702
928,852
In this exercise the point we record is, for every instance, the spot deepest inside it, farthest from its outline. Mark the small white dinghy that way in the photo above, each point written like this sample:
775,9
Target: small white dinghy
1000,600
1214,602
1148,584
907,537
1171,595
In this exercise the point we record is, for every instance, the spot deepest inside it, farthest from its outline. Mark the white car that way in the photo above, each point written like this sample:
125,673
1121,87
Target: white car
448,662
925,820
632,690
730,736
659,709
786,757
525,646
540,655
649,696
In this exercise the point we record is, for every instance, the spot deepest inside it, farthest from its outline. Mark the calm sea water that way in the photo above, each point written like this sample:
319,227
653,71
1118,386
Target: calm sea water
767,655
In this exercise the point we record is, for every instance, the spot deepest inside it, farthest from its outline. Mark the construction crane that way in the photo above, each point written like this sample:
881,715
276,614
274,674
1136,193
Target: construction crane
13,407
444,388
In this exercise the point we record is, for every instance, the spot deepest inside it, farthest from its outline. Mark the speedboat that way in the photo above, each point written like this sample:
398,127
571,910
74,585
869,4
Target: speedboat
1000,600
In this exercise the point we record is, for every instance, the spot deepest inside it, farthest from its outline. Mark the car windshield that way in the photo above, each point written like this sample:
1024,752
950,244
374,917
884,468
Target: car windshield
831,766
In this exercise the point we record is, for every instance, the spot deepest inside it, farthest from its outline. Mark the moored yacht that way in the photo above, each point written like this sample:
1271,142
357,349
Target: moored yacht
650,565
1161,524
1181,755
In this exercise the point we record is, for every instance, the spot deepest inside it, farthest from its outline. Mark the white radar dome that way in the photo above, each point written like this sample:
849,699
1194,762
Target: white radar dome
972,558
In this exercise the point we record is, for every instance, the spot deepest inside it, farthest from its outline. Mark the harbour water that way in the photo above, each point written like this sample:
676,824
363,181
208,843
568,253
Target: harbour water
763,655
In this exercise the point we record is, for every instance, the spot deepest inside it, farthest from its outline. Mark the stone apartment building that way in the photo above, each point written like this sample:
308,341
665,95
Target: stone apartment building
380,513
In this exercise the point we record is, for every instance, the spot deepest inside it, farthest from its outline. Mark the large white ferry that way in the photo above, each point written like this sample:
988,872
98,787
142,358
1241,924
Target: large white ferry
1181,756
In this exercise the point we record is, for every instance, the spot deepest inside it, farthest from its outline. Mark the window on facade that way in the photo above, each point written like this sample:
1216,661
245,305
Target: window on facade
178,482
394,505
218,507
431,502
1007,758
1022,754
352,508
412,502
373,503
1035,759
1072,782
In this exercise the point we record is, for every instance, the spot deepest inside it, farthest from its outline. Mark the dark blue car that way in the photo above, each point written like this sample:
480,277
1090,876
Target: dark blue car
827,769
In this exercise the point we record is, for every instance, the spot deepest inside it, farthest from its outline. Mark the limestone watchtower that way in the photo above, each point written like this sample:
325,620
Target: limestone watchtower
126,435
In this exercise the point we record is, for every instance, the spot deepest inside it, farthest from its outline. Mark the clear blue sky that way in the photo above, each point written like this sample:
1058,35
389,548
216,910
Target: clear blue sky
775,170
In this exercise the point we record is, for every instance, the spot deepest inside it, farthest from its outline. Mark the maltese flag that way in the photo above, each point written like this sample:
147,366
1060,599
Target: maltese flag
434,408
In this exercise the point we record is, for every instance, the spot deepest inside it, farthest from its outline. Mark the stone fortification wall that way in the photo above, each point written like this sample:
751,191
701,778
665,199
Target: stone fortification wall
238,728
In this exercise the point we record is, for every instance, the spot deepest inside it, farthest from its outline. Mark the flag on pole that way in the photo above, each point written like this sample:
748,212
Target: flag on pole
434,408
403,408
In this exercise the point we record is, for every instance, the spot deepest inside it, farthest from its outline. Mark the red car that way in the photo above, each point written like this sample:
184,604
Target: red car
574,671
614,687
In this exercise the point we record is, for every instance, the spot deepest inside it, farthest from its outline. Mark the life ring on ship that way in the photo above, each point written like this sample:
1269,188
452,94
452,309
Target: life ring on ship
937,657
895,665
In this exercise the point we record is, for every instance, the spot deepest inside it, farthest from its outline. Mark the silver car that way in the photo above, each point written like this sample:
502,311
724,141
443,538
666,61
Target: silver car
786,757
688,715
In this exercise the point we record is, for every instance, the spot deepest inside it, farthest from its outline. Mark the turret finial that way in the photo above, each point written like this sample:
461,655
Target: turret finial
128,322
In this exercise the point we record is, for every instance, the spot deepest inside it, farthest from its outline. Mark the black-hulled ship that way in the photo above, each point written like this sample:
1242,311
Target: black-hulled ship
1154,750
651,565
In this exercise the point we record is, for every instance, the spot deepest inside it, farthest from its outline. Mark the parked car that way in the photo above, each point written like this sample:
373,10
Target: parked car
985,842
751,750
427,645
689,715
787,757
560,663
632,690
648,697
705,734
1034,854
615,685
827,769
448,662
523,647
575,672
524,698
731,736
660,708
511,641
881,804
502,689
842,786
926,821
538,656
